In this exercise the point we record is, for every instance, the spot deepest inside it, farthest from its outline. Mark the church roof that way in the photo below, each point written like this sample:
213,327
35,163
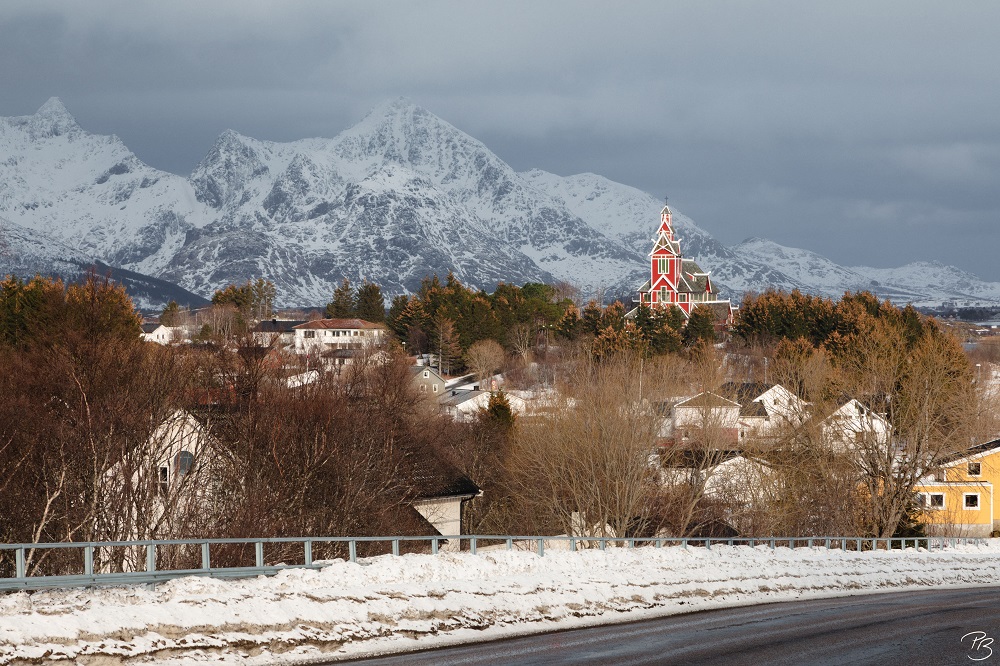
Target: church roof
662,242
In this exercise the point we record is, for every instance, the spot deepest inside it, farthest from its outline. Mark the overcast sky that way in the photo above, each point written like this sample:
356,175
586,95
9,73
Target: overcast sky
866,131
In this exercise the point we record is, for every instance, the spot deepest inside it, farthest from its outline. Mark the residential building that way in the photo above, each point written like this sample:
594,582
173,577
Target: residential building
284,329
957,499
429,381
337,342
160,334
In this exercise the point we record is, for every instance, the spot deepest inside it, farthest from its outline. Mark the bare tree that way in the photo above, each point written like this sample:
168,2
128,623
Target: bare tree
484,357
585,467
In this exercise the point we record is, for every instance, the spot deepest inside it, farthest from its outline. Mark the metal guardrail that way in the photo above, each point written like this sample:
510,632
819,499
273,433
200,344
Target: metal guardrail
147,553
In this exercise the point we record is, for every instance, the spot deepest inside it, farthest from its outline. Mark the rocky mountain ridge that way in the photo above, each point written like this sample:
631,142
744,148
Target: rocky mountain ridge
398,196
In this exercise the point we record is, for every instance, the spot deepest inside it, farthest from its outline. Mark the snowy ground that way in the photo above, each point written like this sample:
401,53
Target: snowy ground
386,604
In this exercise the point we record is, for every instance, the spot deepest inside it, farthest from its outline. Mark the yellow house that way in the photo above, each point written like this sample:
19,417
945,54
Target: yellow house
957,499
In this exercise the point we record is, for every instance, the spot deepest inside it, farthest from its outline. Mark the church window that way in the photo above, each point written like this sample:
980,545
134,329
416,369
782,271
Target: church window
682,298
661,265
663,294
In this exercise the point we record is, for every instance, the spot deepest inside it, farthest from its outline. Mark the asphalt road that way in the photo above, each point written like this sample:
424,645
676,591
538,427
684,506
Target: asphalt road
924,627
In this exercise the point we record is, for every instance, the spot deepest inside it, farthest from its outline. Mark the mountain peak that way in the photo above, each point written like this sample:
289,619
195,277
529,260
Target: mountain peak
52,119
398,112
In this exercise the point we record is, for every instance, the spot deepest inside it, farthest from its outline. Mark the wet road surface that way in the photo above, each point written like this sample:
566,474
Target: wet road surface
913,628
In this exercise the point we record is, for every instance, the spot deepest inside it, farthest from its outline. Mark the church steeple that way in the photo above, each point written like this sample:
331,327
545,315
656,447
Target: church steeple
666,223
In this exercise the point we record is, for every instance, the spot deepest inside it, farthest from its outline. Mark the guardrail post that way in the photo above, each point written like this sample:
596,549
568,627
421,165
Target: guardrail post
510,544
684,543
88,560
352,547
472,546
772,544
659,543
150,557
434,546
572,544
708,544
541,548
19,563
258,551
206,557
307,554
395,547
631,543
604,544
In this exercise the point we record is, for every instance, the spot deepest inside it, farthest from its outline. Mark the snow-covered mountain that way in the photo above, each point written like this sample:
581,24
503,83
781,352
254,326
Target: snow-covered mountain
399,196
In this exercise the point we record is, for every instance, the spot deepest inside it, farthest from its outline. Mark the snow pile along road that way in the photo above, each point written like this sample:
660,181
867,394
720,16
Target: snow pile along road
390,603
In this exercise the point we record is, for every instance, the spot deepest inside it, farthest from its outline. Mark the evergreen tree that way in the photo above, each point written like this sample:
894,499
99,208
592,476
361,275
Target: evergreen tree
591,320
568,325
614,316
370,303
170,315
700,326
416,325
342,306
254,300
446,345
395,319
498,410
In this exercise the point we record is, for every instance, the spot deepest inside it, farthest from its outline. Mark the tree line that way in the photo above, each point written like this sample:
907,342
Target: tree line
85,399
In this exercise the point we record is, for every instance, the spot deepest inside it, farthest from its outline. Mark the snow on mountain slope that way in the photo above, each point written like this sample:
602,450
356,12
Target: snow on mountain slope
90,191
24,252
920,283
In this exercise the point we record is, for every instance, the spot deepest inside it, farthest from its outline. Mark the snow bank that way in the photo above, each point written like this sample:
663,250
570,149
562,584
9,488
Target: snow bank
390,603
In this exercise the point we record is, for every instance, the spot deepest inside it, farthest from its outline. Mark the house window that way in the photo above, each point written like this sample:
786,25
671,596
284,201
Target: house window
423,388
427,374
975,469
970,500
308,334
164,480
435,388
936,500
184,462
939,476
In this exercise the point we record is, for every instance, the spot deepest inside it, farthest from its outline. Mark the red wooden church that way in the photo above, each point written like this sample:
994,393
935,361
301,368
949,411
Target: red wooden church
675,281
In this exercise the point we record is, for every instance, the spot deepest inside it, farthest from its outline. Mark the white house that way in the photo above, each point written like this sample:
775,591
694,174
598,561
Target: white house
854,423
466,405
765,410
160,334
701,413
337,341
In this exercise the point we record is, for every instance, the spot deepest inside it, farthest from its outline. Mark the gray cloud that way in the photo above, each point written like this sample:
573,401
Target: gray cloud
867,132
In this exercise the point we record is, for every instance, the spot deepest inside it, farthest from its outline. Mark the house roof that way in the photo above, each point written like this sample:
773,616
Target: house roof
978,449
150,327
434,476
708,399
418,371
720,309
456,397
348,324
743,392
753,408
278,325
